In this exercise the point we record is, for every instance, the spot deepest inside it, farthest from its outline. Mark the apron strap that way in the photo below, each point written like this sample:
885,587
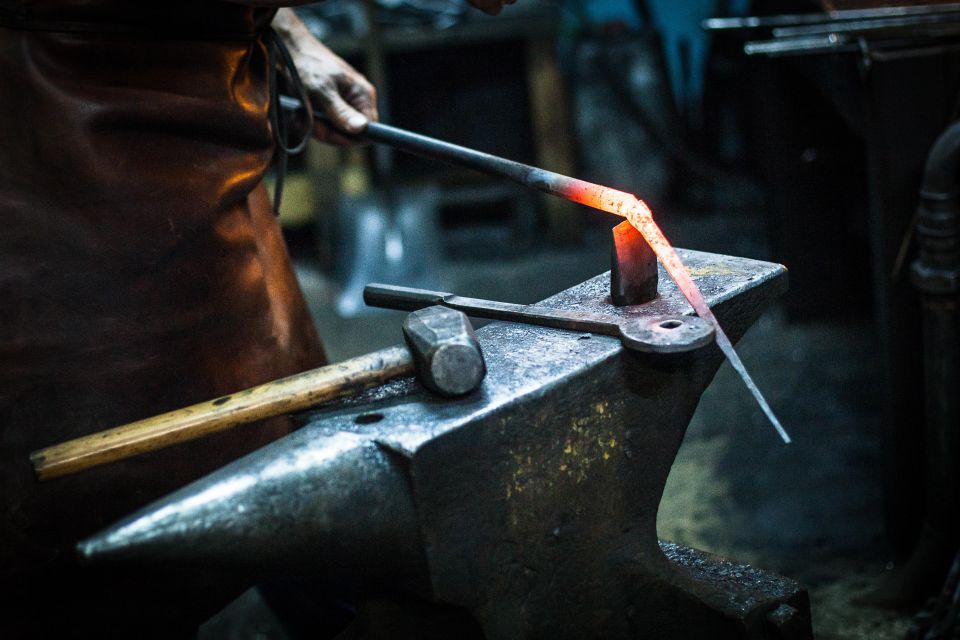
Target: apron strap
290,135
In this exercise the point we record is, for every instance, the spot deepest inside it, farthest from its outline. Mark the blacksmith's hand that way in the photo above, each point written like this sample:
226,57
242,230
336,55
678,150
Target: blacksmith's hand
336,89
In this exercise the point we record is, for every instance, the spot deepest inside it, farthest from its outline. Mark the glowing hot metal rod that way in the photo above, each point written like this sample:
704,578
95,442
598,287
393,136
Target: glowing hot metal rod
592,195
639,215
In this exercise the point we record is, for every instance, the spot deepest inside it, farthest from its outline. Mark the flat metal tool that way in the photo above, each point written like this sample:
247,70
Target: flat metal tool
651,334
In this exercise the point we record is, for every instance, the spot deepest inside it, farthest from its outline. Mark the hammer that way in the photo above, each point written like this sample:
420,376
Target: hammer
441,348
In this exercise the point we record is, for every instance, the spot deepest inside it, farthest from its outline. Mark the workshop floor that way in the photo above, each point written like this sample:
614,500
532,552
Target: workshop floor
811,510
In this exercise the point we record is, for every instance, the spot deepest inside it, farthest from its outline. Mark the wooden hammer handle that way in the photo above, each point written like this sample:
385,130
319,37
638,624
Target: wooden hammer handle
279,397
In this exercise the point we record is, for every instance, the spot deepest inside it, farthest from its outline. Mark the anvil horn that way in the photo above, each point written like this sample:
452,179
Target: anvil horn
326,506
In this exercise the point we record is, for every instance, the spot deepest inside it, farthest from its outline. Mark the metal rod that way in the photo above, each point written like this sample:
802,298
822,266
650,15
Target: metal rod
424,146
867,26
787,20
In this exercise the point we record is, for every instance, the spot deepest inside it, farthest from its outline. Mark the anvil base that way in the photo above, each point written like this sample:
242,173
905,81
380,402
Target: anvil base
714,598
743,602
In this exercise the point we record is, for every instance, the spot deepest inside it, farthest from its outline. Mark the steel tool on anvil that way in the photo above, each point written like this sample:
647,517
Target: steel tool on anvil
441,348
639,332
633,281
532,504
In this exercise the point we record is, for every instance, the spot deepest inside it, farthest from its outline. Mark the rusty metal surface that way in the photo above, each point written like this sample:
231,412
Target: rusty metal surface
531,503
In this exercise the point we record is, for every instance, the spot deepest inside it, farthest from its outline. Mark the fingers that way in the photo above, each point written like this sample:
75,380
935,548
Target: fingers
349,102
342,114
360,94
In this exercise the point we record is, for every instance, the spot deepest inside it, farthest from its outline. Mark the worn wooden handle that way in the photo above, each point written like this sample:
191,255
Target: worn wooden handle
275,398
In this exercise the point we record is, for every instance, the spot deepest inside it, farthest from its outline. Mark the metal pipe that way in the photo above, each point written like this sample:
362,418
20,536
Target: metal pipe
867,26
785,20
936,274
941,177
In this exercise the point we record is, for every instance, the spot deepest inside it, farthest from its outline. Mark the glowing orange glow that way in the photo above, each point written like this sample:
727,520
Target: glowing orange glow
639,215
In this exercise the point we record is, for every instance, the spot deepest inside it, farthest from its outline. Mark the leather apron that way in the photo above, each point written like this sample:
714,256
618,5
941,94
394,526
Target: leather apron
141,267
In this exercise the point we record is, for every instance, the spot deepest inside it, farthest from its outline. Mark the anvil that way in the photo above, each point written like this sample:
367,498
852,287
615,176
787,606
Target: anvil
531,503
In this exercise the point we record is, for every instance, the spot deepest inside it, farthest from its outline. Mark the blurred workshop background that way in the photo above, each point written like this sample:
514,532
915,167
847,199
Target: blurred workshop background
807,152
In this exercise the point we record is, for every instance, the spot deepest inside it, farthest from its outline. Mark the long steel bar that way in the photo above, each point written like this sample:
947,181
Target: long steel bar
900,47
787,20
408,299
426,147
867,26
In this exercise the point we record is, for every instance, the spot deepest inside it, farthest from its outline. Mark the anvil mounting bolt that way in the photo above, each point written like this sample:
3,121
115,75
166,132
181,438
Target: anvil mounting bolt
633,269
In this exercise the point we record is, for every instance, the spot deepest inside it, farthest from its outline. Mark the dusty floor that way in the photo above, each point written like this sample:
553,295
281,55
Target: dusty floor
811,510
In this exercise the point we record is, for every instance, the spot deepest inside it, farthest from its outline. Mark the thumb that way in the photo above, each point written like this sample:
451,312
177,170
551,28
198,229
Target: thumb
343,116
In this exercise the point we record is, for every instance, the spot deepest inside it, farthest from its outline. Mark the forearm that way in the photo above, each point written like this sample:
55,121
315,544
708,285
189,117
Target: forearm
290,27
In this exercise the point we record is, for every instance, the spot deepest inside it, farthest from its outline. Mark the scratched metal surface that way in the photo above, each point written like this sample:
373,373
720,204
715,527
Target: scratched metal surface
522,358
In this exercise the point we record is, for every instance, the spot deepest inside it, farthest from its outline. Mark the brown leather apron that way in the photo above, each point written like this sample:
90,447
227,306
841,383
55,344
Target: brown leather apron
141,268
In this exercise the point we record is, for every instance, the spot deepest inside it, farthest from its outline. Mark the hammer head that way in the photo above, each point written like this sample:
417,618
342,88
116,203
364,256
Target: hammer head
445,350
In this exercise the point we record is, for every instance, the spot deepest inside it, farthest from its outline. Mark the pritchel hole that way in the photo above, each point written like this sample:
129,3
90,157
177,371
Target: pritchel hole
670,324
368,418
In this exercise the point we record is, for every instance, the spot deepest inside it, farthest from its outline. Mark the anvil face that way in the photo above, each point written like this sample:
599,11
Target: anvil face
532,503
